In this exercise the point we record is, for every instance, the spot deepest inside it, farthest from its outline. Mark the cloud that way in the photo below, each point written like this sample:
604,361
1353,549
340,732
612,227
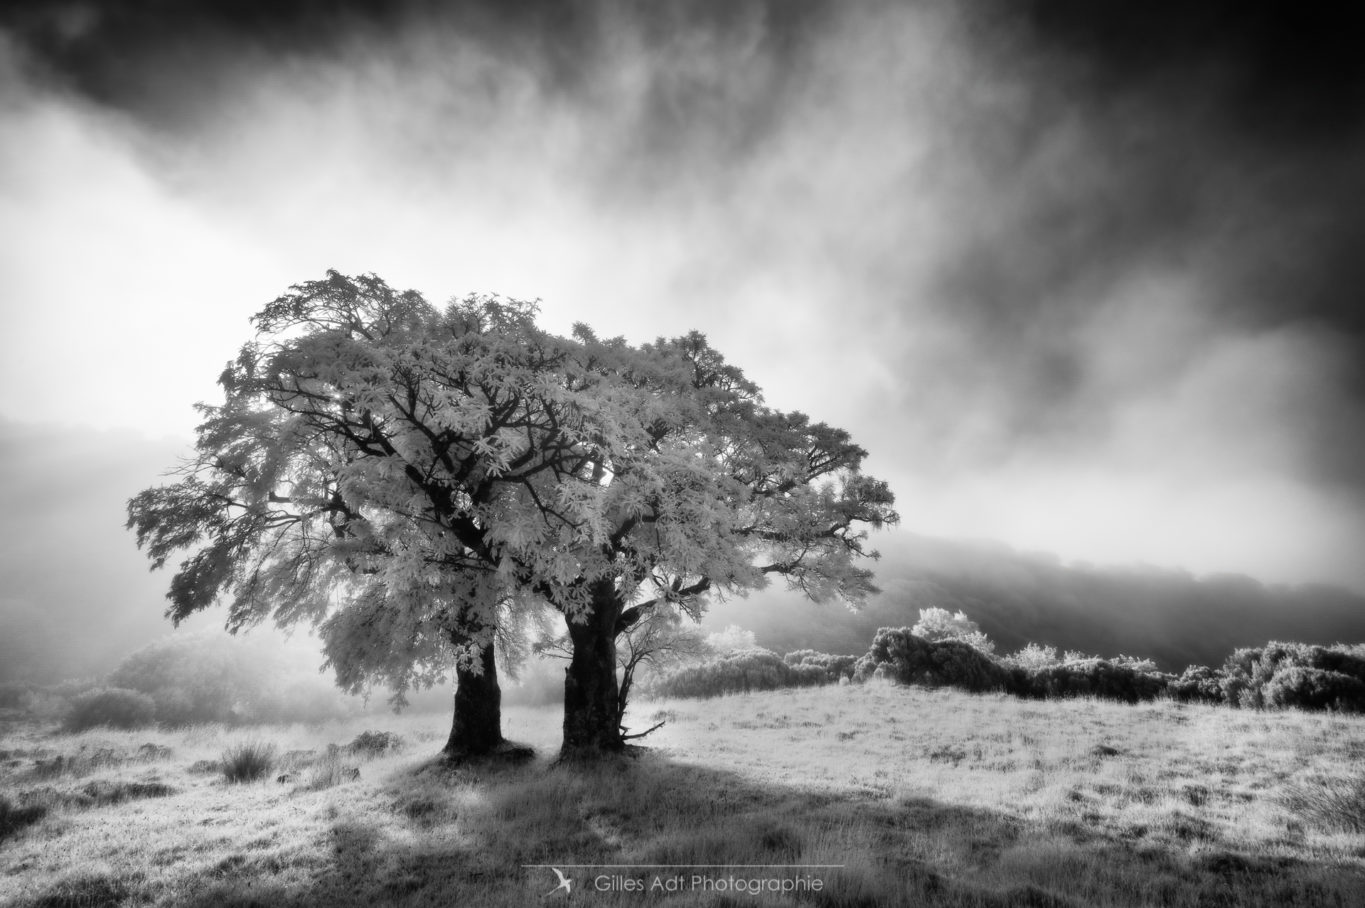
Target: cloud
1017,597
1068,293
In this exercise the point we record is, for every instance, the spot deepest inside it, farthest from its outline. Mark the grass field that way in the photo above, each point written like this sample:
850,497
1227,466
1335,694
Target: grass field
923,797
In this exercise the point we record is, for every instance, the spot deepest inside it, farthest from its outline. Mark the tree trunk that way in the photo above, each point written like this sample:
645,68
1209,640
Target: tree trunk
591,716
477,727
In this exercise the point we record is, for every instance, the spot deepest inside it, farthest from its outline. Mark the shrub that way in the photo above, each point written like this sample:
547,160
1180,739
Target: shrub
1033,657
834,667
1094,677
1136,663
375,743
198,678
904,656
193,680
1313,688
1277,675
1295,674
938,625
115,707
248,762
1197,684
739,671
52,702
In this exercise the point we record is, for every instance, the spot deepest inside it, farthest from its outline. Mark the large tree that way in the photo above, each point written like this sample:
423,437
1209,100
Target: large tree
413,480
348,480
707,490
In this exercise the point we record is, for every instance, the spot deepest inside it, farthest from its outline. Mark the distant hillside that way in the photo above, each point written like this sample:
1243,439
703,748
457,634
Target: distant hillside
1167,615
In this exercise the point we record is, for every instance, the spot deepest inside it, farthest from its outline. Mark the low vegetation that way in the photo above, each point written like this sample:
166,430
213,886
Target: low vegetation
928,771
193,679
948,650
115,707
248,761
740,671
918,796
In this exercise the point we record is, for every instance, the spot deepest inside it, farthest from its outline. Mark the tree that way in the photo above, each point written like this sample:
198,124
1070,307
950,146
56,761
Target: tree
415,480
323,487
701,488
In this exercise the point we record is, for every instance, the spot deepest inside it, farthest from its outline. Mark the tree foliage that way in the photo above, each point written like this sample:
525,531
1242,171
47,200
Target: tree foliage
413,479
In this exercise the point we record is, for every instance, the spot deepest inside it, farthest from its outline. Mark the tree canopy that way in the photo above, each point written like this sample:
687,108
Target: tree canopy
413,479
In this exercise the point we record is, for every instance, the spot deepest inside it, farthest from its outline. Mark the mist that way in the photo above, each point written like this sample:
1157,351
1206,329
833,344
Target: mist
1073,298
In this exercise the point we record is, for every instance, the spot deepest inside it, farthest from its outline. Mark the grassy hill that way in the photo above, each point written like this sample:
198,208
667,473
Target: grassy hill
918,797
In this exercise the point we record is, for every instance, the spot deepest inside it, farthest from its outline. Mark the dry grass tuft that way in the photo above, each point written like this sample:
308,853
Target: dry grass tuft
1331,804
330,770
248,762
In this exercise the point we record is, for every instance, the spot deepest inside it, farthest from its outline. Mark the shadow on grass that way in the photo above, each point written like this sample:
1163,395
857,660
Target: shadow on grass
451,836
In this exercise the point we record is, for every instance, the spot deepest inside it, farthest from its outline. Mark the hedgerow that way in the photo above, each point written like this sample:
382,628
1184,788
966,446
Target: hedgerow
740,671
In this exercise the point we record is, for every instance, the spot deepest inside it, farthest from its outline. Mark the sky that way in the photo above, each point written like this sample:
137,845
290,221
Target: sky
1084,282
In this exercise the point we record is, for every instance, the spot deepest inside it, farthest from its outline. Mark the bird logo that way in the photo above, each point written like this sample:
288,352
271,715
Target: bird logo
564,883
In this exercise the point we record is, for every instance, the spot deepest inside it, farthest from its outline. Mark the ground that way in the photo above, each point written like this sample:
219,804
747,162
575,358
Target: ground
914,797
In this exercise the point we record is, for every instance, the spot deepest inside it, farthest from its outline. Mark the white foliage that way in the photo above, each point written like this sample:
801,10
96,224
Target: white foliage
732,638
938,624
413,479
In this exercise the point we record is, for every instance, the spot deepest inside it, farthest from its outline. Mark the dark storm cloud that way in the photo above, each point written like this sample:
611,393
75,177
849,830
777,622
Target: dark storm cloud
1059,266
1018,598
1288,72
716,82
165,60
1266,99
1218,140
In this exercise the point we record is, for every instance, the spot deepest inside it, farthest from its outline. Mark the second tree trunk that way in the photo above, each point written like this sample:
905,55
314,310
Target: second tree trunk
591,704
